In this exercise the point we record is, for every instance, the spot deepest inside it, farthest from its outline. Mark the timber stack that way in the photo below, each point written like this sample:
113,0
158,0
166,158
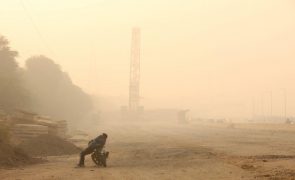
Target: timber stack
25,125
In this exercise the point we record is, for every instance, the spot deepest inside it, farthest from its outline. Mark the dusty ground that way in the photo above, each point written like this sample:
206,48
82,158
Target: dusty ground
195,151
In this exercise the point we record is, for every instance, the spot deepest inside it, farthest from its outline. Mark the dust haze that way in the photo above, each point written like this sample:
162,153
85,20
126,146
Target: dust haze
184,89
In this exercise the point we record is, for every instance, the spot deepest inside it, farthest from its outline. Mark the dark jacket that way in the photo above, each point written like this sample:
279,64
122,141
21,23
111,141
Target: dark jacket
99,141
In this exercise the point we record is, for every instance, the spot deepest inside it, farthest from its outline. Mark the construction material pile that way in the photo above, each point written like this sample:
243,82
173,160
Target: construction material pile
13,156
48,145
10,155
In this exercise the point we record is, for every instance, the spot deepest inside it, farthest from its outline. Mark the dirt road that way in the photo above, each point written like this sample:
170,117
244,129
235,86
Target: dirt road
196,151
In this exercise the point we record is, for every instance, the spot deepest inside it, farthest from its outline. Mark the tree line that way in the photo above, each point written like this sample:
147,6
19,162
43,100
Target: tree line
41,87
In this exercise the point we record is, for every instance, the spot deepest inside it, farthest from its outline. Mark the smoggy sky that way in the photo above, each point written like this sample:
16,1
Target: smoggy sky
212,56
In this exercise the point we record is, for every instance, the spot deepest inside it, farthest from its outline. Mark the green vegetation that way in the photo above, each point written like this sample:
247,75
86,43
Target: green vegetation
12,91
41,87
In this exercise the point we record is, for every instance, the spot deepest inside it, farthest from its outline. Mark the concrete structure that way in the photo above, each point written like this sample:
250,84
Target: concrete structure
183,116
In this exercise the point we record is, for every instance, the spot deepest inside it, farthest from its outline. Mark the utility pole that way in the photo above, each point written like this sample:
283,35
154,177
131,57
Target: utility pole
285,104
253,109
271,104
262,108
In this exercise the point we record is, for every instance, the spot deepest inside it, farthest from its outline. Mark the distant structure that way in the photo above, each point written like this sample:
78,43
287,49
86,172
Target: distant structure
183,116
134,110
134,80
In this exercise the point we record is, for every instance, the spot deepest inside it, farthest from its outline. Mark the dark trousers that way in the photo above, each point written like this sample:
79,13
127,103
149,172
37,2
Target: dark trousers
90,149
85,152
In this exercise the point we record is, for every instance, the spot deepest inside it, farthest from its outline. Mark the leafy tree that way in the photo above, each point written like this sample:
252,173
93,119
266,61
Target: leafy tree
53,92
12,92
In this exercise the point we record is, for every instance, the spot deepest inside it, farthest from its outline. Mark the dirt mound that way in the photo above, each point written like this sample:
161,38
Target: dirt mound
48,145
10,155
13,156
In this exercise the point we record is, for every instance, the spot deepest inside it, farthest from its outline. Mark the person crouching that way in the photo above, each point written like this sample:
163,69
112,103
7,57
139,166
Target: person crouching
97,143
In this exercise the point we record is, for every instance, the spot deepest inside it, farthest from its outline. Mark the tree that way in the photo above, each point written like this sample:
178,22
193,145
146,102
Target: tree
12,92
53,92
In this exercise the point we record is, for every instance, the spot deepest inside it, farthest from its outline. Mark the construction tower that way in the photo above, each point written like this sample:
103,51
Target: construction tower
134,111
134,81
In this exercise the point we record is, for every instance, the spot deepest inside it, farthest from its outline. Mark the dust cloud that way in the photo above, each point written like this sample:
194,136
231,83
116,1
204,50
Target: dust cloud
190,89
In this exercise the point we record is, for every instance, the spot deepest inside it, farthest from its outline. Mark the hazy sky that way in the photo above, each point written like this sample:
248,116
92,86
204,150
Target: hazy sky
212,56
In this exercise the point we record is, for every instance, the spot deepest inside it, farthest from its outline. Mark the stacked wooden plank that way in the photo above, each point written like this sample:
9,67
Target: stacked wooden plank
26,125
45,121
23,117
62,128
57,128
27,131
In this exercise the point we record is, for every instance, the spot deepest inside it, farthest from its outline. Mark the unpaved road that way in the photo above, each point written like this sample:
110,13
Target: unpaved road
195,151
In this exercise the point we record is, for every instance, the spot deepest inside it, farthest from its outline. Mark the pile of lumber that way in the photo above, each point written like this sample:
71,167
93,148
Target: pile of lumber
57,128
62,128
26,125
27,131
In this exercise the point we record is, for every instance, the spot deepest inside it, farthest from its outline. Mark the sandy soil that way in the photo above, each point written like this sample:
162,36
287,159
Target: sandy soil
193,151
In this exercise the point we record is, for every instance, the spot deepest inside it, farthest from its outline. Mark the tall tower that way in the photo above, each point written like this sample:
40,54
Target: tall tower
134,80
